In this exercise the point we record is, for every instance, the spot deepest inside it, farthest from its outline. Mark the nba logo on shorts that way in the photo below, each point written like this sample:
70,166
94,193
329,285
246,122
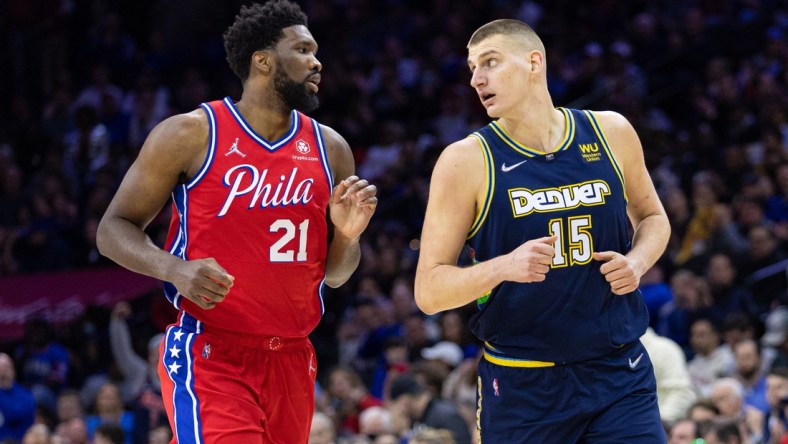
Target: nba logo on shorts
302,147
495,387
206,351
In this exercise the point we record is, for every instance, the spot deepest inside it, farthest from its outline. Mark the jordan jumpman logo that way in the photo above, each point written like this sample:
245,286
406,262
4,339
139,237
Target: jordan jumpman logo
234,149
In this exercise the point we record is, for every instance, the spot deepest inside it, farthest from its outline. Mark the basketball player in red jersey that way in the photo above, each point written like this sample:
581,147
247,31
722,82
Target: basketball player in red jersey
250,245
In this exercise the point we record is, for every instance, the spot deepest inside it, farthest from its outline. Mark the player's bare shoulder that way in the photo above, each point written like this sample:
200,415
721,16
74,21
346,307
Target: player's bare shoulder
181,139
620,134
461,161
460,173
612,121
333,140
340,157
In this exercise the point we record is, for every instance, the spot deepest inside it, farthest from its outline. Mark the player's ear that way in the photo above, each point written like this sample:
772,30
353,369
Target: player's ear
262,61
536,58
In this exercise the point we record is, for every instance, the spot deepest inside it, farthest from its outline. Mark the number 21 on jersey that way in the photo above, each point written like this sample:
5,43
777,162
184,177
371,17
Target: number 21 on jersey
278,251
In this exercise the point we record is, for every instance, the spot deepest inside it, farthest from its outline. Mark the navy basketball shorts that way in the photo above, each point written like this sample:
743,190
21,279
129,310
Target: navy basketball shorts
609,400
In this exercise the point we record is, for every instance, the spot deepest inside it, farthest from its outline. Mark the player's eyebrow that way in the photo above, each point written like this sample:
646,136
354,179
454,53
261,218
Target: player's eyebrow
484,54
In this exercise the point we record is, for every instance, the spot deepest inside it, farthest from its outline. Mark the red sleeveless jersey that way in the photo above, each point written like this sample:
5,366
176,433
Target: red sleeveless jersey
258,208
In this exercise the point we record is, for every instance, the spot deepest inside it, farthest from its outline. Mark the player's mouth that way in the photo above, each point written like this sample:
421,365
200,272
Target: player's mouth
486,98
312,82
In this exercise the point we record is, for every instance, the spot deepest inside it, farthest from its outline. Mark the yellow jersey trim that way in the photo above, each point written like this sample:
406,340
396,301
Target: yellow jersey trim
481,216
512,362
601,135
569,135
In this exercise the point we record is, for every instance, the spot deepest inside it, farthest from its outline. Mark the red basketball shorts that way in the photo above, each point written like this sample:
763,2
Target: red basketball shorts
224,387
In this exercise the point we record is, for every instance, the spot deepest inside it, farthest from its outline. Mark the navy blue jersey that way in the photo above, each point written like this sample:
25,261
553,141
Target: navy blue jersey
576,193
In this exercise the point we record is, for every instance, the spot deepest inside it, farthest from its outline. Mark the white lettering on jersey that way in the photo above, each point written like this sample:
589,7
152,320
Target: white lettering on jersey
246,180
525,201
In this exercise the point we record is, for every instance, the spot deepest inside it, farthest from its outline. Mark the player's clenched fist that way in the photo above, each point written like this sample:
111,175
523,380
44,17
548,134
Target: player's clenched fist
619,271
202,281
530,262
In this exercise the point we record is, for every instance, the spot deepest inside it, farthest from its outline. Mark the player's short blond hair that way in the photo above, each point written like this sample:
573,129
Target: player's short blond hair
510,28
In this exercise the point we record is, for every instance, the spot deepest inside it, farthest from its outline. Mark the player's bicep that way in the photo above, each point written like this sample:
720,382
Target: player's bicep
164,158
642,197
340,156
451,208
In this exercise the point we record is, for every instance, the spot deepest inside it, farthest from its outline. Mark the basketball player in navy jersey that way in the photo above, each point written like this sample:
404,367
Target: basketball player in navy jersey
544,197
266,211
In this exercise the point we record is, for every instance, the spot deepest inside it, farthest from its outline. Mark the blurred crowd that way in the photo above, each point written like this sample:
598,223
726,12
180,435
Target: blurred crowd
704,82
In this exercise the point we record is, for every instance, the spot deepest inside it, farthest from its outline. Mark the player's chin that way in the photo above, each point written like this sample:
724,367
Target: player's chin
492,112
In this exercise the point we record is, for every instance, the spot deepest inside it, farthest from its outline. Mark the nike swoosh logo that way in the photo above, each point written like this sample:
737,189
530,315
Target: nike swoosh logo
633,364
506,169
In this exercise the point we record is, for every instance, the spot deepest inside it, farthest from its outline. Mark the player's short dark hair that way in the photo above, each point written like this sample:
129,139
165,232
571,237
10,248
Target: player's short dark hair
509,27
258,27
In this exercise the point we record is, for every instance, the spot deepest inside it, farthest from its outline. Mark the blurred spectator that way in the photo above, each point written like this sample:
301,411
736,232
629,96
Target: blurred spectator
446,353
454,328
163,435
69,405
703,410
109,433
727,394
728,296
382,156
147,105
432,436
765,271
422,408
86,149
747,354
419,334
711,360
460,388
348,398
140,385
110,410
100,85
375,421
702,222
37,434
739,326
17,406
74,431
725,432
675,392
430,374
776,335
777,205
775,423
691,300
322,431
394,362
656,292
43,361
683,431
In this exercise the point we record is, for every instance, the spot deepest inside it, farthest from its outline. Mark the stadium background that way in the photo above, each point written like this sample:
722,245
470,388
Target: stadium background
82,83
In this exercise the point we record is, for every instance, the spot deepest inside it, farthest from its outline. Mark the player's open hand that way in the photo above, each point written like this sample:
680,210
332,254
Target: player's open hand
352,204
619,270
202,281
531,261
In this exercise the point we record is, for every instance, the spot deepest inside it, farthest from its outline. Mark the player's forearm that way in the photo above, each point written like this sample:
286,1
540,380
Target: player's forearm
444,287
650,239
343,257
129,246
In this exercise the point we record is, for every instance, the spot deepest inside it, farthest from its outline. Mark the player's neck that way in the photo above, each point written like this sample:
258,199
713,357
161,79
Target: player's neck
265,114
540,127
